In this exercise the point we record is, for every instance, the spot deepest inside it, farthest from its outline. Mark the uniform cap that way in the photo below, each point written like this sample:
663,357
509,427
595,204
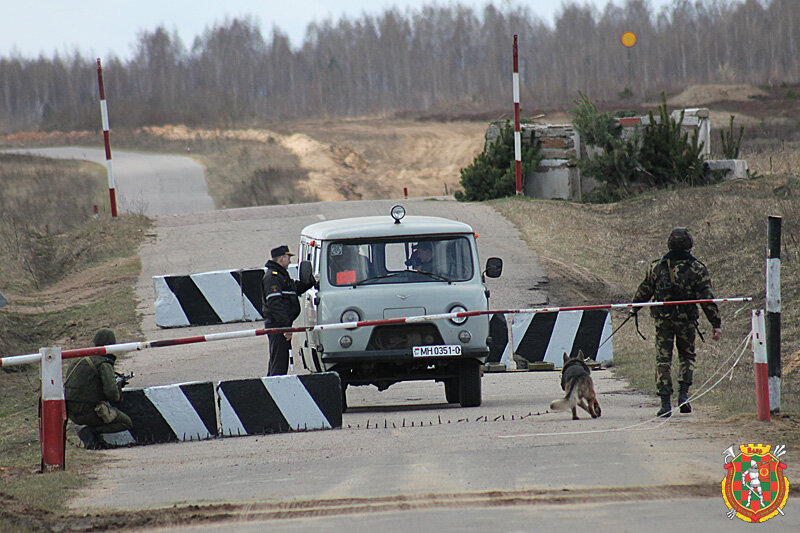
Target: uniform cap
279,251
103,337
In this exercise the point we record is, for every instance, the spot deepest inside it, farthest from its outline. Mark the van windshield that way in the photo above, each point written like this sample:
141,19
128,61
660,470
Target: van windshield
411,260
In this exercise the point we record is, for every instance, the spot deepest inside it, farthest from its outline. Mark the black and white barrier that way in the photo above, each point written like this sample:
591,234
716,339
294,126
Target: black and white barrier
168,413
279,404
546,336
208,298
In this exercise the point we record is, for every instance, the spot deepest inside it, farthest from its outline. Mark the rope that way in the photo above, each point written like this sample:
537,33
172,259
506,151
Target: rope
662,420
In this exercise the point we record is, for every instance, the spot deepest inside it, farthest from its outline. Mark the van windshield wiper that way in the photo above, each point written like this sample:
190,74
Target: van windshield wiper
382,276
393,274
431,274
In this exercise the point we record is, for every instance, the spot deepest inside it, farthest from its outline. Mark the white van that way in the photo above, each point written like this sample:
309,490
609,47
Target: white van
381,267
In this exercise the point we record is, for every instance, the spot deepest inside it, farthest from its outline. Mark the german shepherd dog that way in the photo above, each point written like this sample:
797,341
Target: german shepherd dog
576,381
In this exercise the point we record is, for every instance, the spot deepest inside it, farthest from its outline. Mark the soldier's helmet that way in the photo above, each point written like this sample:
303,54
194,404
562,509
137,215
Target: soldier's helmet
103,337
680,239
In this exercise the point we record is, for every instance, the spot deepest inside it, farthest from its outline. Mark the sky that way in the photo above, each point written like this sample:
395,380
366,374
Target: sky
98,28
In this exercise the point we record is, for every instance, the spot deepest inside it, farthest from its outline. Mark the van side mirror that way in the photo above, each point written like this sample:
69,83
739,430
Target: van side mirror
494,267
307,275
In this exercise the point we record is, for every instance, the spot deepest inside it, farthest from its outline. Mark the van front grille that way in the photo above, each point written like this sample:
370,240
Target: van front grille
404,336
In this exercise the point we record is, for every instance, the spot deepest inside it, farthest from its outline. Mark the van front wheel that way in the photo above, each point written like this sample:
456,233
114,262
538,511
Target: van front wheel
451,390
469,384
344,397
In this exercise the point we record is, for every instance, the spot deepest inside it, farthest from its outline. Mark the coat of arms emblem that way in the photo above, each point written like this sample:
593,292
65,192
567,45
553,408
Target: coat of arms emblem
754,488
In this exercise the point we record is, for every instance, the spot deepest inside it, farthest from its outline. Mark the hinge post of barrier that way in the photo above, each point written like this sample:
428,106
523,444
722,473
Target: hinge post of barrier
760,364
52,411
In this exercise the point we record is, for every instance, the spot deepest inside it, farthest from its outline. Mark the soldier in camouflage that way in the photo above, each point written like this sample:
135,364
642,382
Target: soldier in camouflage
90,385
677,276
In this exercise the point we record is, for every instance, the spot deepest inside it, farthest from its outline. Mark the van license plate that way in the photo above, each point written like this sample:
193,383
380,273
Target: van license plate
436,351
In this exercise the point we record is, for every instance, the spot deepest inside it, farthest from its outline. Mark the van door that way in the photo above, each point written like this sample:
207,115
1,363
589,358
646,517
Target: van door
311,253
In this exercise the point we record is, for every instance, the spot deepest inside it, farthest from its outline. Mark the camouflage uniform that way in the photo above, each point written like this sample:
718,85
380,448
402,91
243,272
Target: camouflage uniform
90,381
677,276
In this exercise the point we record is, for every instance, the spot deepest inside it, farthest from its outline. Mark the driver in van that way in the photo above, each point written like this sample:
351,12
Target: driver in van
422,257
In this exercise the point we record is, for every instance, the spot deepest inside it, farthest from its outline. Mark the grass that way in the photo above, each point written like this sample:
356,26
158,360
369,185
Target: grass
728,222
65,274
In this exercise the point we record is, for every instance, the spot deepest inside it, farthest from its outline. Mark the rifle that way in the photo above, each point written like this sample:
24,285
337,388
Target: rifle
123,379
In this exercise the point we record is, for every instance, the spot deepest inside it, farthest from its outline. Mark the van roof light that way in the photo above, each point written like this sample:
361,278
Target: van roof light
398,212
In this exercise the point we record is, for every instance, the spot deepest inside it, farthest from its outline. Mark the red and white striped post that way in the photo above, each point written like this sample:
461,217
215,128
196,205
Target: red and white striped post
760,360
517,136
52,411
112,192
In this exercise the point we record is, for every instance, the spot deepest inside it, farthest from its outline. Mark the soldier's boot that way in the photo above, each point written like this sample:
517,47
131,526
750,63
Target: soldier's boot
666,407
88,437
683,397
91,439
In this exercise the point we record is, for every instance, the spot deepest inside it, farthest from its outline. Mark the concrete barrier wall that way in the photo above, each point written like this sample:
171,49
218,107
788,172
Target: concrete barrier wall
546,336
206,298
192,411
279,404
168,413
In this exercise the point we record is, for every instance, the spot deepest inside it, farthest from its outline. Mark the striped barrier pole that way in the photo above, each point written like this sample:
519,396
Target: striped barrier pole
52,411
136,346
760,364
112,188
517,136
773,317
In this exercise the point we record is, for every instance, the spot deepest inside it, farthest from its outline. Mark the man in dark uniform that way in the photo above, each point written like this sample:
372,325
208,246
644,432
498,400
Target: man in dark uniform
422,257
90,385
281,307
677,276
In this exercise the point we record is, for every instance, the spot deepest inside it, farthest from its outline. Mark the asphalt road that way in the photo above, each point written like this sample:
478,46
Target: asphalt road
404,457
146,184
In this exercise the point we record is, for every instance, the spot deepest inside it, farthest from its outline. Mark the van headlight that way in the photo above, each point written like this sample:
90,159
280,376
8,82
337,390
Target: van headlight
345,341
351,315
458,309
464,336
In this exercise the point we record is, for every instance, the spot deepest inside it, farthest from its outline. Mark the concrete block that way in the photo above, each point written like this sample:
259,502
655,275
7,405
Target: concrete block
544,337
735,168
280,404
206,298
168,413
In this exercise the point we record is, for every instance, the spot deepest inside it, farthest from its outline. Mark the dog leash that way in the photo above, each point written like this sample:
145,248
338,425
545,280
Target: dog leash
636,320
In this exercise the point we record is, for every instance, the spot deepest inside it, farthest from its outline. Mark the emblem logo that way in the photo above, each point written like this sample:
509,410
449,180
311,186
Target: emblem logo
754,488
402,296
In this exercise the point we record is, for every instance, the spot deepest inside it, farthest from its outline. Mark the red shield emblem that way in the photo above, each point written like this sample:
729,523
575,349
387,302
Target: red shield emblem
754,488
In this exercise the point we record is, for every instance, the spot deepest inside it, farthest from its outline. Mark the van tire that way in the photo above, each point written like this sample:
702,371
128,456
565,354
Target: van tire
344,397
451,390
469,384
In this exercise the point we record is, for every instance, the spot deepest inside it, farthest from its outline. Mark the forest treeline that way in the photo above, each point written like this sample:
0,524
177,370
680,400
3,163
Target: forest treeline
434,58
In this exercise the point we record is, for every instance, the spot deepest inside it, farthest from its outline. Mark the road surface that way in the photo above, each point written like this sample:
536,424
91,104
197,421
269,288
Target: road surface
146,184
